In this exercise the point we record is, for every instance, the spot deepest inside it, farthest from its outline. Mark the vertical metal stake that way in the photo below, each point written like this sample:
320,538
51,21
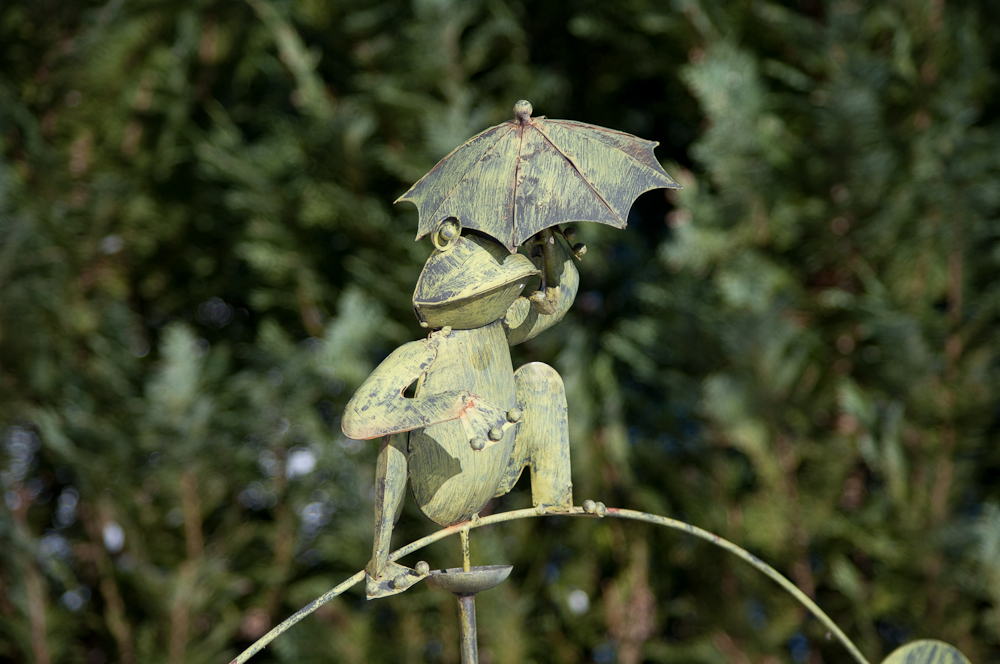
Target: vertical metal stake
466,557
467,628
464,584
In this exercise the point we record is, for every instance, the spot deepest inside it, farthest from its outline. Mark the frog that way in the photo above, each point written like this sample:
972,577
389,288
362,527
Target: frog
456,421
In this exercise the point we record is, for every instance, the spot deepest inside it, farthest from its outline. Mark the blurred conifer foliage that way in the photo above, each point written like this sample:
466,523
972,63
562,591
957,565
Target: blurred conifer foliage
199,263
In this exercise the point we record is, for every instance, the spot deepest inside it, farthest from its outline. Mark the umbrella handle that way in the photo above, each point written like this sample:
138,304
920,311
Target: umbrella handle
545,300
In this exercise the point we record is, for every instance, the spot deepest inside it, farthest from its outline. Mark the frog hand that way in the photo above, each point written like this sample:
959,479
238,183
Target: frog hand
545,302
485,423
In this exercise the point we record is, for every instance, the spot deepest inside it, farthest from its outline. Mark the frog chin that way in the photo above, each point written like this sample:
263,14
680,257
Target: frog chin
470,313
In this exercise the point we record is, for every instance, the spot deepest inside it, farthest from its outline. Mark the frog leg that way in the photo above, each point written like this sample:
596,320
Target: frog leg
384,577
542,438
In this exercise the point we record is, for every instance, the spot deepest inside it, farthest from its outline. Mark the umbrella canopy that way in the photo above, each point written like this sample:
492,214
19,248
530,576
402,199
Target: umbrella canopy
520,177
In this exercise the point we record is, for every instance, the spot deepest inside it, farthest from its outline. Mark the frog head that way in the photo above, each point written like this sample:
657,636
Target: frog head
469,281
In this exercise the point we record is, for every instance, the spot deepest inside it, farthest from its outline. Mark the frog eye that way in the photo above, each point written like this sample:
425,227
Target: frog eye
446,233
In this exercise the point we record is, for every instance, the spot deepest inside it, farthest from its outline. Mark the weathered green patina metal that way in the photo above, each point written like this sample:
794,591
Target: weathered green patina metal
473,423
523,176
926,651
465,584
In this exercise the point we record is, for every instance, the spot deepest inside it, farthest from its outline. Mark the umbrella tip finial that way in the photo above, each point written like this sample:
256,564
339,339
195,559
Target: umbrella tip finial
522,111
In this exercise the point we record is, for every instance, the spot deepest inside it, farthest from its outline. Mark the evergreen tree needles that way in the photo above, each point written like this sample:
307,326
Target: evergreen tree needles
199,263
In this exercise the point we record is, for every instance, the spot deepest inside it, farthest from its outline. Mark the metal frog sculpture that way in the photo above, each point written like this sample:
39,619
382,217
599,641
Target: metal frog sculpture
473,423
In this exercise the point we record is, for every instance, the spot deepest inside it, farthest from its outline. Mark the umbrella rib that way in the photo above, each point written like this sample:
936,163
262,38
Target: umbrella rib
577,169
468,171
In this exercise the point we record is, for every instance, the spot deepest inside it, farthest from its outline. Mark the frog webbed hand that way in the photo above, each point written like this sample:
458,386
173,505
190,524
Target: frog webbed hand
485,423
379,407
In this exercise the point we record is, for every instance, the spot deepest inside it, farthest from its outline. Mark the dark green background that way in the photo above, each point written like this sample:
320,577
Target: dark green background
199,263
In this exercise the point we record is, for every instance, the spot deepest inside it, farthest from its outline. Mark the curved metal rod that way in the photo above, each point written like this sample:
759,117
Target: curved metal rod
477,522
262,642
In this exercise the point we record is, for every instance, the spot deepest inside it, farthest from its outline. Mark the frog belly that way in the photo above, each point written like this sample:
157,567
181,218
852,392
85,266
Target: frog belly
451,481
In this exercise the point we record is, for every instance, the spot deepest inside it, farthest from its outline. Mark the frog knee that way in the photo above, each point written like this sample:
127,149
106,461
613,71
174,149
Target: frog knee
538,377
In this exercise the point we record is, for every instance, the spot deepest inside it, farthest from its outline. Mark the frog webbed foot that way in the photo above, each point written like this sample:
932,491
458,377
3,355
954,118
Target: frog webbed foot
557,508
395,578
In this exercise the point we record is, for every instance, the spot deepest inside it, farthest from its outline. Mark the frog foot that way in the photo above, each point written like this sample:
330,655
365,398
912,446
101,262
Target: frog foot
546,508
395,579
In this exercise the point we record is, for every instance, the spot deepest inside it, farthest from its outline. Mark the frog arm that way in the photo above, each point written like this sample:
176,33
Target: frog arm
379,407
530,316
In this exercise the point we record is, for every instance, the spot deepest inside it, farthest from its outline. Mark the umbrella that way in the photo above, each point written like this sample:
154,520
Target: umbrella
528,174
